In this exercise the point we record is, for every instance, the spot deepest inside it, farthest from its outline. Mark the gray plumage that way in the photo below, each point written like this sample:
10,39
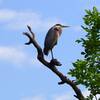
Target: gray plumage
52,37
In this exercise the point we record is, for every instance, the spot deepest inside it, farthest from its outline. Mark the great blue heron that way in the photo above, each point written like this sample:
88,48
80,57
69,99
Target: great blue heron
52,38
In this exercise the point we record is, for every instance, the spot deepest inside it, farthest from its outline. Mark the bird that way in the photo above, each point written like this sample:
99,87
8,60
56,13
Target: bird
51,38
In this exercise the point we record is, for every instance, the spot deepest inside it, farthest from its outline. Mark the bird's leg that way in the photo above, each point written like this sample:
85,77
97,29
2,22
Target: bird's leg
54,61
52,54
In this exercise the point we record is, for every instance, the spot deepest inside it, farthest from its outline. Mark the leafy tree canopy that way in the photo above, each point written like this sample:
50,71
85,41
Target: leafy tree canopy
87,70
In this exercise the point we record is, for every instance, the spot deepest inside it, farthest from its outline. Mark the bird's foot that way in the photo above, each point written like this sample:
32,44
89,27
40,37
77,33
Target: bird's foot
55,62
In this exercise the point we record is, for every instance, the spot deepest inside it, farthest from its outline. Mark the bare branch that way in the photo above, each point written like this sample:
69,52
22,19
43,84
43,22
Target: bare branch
52,64
29,28
30,40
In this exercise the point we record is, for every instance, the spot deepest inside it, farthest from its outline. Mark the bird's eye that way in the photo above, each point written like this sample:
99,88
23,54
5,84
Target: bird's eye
56,29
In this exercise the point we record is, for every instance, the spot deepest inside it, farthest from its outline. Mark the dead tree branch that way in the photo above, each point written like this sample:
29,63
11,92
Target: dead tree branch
52,64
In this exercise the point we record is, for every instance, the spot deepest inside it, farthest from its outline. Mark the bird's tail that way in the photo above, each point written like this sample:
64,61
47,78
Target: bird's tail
45,50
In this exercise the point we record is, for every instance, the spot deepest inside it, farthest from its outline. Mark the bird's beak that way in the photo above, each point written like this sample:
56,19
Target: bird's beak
63,26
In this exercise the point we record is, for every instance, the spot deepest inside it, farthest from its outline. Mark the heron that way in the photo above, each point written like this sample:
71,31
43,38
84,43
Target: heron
51,38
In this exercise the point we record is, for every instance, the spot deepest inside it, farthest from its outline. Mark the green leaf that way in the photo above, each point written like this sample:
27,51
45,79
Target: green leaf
87,70
78,41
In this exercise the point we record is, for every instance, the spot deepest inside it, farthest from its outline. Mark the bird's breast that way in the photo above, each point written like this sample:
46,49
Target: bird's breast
57,34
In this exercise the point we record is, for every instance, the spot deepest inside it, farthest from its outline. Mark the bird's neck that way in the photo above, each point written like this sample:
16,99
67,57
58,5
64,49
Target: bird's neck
58,30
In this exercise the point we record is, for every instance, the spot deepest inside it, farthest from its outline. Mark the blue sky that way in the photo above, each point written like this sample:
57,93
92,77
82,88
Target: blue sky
22,77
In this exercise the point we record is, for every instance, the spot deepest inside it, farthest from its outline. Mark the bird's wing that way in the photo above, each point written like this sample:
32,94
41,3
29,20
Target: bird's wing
51,39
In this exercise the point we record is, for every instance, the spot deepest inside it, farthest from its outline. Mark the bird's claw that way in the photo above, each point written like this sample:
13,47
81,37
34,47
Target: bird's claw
55,62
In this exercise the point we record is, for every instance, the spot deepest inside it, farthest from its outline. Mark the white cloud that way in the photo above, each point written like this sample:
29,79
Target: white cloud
56,97
34,98
64,96
6,15
69,96
86,93
19,19
14,55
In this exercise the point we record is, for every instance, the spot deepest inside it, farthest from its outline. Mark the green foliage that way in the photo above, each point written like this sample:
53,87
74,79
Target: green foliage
87,70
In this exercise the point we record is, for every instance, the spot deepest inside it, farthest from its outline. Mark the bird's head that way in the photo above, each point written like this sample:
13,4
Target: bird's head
60,26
